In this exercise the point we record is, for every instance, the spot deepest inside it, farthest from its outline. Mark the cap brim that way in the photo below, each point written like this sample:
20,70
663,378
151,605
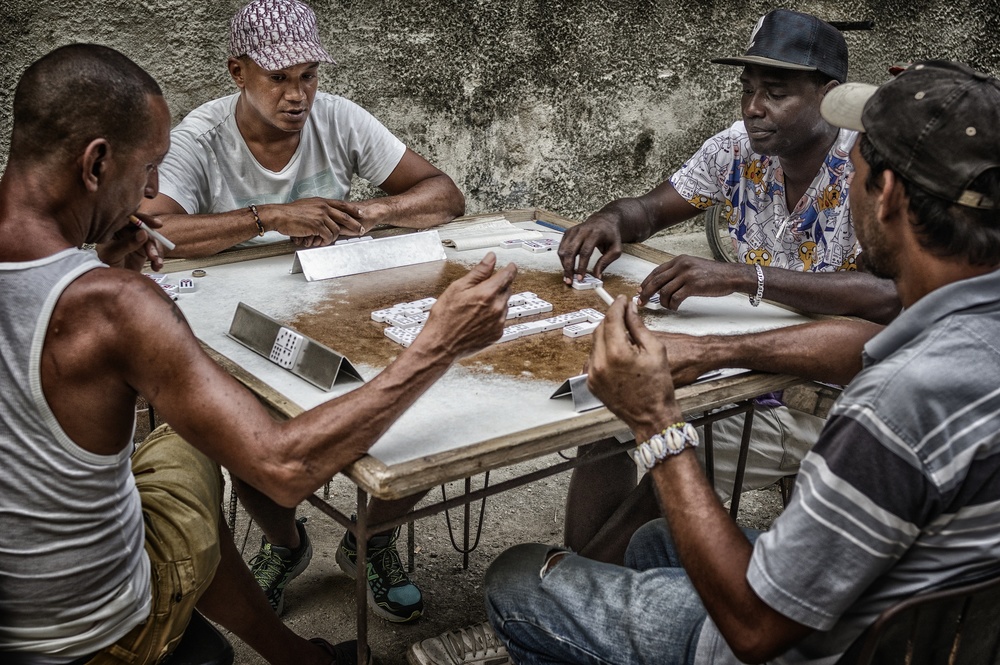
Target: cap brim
281,56
764,62
844,105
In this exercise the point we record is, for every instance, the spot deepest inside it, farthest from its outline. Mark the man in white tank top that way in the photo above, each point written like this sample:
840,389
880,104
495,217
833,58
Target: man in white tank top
275,161
106,554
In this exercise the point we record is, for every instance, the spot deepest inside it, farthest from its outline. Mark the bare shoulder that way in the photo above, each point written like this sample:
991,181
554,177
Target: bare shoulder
113,334
108,291
117,307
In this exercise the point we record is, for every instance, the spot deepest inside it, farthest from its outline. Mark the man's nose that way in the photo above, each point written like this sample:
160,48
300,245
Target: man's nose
753,106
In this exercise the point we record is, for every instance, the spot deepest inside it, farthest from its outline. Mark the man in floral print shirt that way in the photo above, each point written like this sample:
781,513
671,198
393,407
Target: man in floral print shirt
815,235
782,174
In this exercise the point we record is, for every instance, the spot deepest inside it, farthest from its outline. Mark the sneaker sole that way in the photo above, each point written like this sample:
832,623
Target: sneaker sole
416,655
296,571
352,571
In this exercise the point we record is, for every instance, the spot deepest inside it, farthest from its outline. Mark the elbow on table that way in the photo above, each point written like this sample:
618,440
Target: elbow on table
456,200
288,487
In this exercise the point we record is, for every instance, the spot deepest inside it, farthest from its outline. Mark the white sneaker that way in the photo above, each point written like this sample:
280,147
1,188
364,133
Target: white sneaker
475,645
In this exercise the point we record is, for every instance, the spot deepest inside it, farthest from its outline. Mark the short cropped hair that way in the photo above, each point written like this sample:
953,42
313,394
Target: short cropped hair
943,228
75,94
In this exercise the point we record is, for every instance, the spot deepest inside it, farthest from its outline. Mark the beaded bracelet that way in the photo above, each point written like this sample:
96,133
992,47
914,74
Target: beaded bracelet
256,219
673,440
756,298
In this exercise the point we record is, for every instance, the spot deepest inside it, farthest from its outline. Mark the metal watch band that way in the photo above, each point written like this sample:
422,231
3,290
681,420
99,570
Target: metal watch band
756,298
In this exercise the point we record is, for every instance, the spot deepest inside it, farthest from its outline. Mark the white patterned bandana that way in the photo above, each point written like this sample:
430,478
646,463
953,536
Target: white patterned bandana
276,34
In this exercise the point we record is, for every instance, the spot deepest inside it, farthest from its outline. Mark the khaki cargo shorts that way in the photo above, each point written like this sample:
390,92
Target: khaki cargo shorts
181,492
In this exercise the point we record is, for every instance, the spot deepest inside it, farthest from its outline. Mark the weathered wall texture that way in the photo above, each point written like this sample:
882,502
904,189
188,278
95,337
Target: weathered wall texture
561,104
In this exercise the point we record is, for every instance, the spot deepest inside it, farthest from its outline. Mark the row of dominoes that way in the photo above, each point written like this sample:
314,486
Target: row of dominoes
407,319
573,324
543,245
416,310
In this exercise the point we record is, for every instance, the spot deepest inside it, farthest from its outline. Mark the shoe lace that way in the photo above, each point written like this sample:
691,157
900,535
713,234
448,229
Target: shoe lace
390,564
267,566
479,640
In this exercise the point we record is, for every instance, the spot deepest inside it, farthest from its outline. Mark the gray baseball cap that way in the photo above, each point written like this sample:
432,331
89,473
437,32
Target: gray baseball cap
937,124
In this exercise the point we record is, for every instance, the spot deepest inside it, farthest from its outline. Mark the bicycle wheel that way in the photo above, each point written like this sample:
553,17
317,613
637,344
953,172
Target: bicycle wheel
717,234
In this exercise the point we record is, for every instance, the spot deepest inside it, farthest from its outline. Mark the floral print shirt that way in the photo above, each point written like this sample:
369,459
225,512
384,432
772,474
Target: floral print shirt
817,235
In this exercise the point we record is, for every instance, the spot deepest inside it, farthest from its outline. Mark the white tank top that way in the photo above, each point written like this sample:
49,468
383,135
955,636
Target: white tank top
74,576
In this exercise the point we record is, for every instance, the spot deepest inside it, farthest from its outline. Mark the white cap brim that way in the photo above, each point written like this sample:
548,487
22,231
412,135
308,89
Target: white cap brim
844,105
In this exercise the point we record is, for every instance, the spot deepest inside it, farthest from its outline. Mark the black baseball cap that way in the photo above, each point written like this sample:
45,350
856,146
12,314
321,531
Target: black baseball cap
937,124
792,40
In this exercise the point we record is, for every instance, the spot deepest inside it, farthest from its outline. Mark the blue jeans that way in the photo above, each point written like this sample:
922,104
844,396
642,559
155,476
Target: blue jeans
584,611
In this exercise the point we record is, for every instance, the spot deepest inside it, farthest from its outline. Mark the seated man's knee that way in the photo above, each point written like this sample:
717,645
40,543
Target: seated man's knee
513,575
651,546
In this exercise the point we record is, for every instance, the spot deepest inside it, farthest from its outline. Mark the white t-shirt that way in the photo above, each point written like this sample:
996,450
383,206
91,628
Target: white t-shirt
210,169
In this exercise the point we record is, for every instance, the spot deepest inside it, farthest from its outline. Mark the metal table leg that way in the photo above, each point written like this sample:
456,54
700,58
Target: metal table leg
361,575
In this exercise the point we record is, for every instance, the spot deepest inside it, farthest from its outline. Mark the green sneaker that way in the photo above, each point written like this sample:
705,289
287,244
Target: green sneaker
391,594
274,567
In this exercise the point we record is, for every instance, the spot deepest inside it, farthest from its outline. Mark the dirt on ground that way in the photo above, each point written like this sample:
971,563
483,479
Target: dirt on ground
320,602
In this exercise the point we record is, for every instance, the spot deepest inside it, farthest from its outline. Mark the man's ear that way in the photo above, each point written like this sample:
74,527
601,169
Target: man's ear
94,163
893,201
236,71
828,86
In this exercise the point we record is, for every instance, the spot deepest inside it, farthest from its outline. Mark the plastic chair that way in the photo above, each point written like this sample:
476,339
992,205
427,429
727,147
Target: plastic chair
954,626
202,644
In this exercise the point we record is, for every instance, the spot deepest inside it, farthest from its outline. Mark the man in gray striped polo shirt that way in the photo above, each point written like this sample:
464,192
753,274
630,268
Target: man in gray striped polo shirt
902,491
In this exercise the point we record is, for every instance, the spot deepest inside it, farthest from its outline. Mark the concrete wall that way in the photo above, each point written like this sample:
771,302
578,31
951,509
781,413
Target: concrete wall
560,104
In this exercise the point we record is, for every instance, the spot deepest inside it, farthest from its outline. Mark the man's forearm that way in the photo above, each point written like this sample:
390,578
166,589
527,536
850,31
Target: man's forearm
205,235
716,556
828,350
847,293
338,433
430,202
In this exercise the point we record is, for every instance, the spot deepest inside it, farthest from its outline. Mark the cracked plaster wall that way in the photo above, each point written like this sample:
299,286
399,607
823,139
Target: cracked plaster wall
559,104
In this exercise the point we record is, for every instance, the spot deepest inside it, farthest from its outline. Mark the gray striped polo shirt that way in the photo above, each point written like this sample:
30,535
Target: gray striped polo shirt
902,491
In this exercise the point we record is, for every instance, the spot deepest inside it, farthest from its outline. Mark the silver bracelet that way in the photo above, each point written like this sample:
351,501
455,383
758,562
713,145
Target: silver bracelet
756,298
671,441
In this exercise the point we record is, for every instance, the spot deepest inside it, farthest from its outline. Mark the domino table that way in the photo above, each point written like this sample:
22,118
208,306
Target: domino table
462,425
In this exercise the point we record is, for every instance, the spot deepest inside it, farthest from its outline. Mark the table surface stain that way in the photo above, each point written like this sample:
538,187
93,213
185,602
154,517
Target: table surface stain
343,320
